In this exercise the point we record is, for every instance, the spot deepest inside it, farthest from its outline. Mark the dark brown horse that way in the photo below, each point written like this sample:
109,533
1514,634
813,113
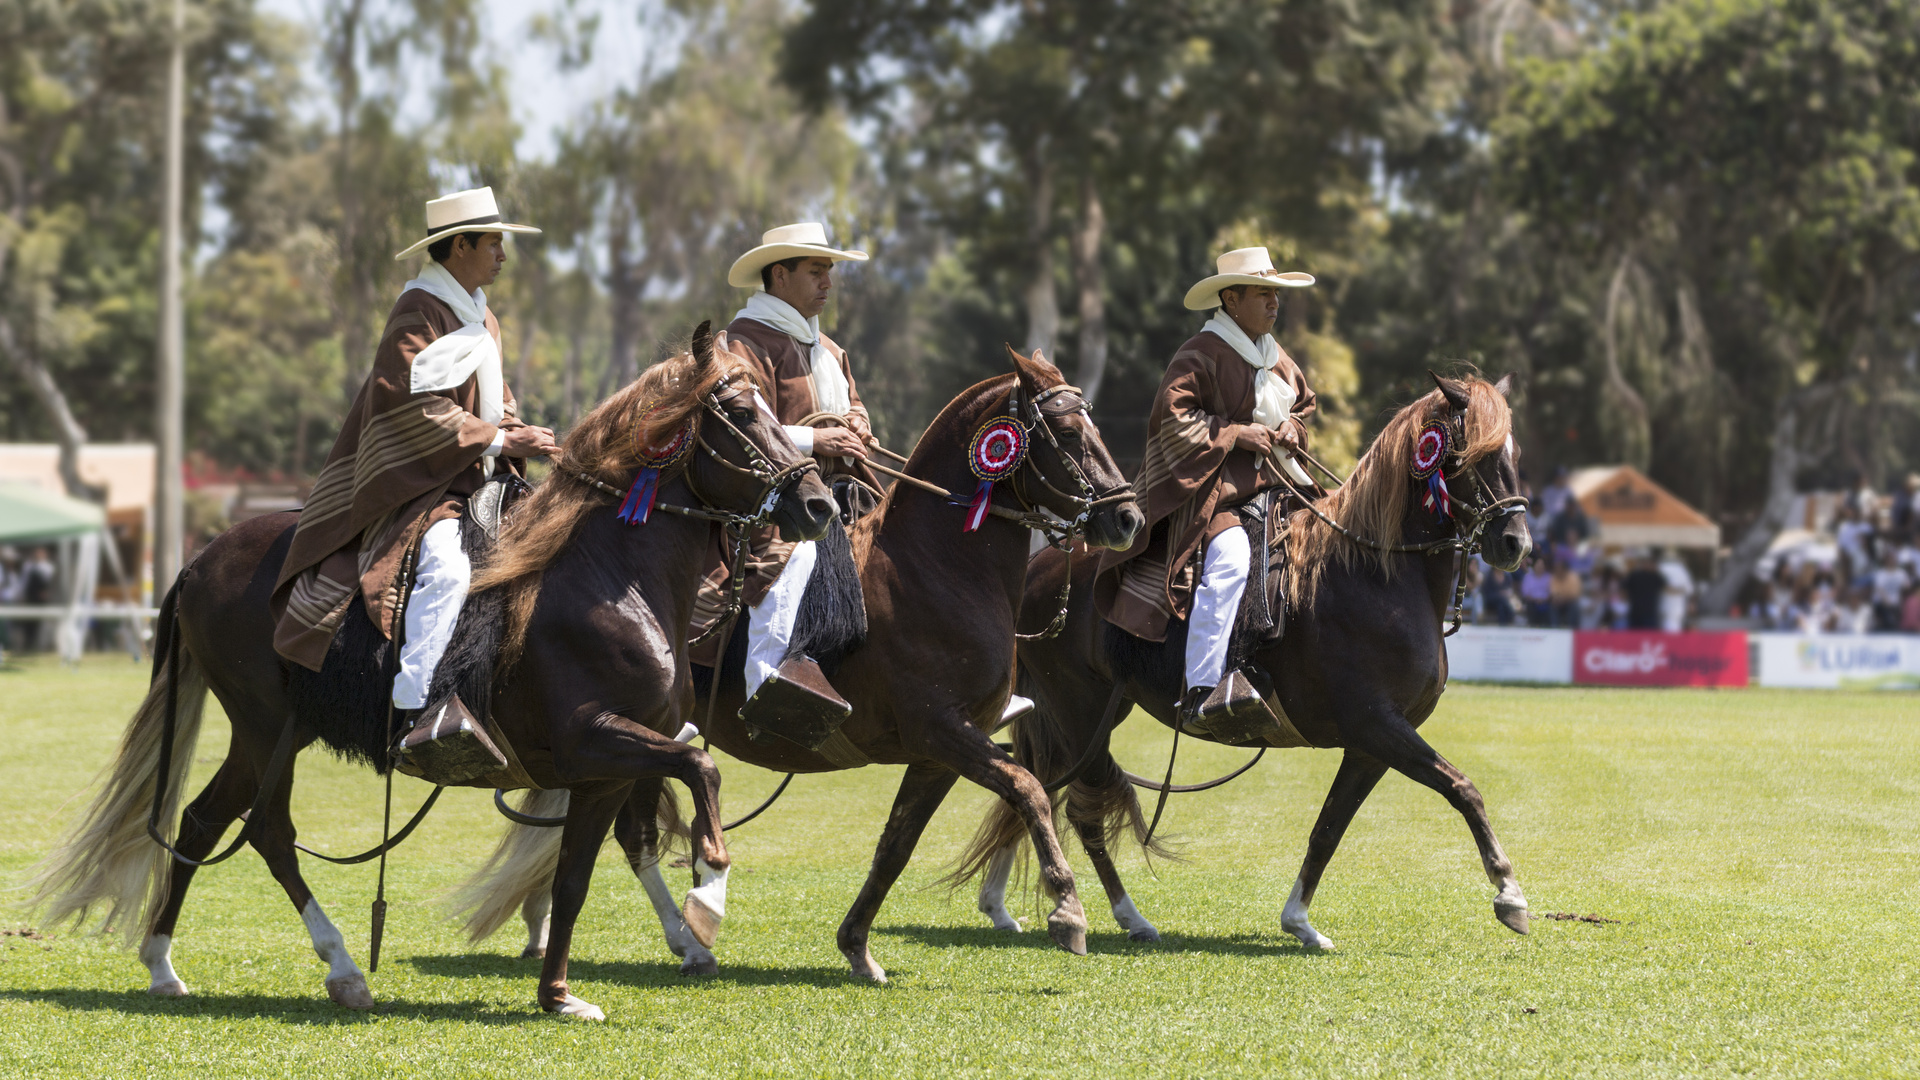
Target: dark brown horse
1361,664
596,610
929,685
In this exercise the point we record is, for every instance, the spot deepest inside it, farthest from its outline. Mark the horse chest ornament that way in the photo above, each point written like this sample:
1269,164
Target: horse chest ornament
1429,455
655,458
996,451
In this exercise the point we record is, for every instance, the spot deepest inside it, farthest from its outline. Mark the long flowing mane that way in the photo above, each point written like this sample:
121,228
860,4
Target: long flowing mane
1373,502
604,445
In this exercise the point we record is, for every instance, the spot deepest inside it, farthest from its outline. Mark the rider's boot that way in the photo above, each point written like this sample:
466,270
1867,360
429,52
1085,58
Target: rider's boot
446,744
1233,712
796,702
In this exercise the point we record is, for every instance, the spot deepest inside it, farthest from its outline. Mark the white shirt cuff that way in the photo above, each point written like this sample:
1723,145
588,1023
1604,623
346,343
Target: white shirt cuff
802,438
498,444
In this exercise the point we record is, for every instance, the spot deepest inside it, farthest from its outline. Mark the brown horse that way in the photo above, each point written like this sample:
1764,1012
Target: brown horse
596,610
1361,664
931,681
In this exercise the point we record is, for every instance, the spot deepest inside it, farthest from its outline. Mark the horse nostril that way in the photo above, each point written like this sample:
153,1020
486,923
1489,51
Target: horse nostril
819,508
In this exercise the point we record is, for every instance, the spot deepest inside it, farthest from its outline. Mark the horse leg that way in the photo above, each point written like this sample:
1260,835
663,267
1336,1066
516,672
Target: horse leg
588,818
224,798
1398,745
993,889
638,833
922,790
1089,807
1093,837
1358,774
273,839
534,911
971,753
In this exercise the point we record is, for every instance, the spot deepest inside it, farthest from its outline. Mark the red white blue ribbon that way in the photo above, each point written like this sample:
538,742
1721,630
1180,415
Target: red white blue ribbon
997,449
1429,454
654,458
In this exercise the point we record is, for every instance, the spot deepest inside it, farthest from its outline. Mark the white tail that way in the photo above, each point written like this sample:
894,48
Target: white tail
107,859
522,865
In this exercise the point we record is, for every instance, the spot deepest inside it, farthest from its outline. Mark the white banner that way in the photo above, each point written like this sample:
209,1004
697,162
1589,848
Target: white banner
1510,654
1840,661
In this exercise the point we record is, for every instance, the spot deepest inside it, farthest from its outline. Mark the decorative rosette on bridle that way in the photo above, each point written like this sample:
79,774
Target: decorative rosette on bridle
655,458
997,449
1429,455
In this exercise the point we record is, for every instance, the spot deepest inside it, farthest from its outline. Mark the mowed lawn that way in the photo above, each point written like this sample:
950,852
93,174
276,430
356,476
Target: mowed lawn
1756,853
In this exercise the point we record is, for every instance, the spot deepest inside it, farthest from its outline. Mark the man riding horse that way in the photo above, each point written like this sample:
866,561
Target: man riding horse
1232,403
433,422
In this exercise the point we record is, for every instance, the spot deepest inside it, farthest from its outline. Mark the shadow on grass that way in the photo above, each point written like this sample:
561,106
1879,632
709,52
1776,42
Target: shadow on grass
665,972
314,1010
1035,937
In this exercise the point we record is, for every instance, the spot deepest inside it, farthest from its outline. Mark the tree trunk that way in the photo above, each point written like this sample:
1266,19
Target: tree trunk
623,302
1091,284
66,428
1043,308
1781,470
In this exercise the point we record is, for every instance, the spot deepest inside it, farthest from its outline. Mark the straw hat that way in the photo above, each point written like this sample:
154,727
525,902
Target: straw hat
1242,266
806,239
464,211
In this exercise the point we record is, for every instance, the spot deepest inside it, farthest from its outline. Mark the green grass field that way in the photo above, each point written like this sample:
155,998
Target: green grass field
1758,851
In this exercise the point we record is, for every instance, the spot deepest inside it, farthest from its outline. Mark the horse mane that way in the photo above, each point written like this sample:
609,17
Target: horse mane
605,446
1373,502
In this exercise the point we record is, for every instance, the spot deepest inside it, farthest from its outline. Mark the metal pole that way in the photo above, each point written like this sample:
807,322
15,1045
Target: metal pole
170,385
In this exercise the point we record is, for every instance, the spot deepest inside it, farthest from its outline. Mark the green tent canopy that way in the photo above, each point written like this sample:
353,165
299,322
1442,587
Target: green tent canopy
29,513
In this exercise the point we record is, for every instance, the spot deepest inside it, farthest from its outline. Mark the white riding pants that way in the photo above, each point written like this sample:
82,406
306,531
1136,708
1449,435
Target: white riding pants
1216,602
440,582
770,626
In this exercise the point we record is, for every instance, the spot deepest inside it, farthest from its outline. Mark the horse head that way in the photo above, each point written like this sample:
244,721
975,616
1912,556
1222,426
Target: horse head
1483,468
1076,474
746,457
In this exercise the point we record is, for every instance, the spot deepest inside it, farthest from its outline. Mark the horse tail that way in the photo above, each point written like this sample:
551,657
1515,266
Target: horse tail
521,865
107,860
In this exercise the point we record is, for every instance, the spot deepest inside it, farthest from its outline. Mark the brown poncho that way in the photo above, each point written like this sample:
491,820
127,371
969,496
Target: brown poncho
1190,480
402,462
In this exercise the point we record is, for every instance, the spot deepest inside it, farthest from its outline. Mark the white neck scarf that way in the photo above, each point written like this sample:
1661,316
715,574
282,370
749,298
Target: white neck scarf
453,358
830,392
1272,395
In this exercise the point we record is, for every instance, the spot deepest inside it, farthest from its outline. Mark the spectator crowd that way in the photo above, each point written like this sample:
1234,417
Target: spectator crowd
1867,580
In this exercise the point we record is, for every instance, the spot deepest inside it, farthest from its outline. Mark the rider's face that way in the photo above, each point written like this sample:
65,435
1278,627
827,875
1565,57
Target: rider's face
1254,307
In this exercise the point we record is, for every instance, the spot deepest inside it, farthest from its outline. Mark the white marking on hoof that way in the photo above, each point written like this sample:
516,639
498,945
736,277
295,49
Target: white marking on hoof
679,938
864,966
576,1009
1293,919
699,962
350,992
688,733
157,953
1134,923
706,903
993,891
535,912
1510,907
345,985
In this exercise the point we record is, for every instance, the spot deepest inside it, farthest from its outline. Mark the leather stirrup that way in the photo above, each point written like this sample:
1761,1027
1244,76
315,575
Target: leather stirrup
449,746
796,703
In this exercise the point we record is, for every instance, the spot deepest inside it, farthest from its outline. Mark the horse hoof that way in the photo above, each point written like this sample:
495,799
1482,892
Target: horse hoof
170,988
1513,917
533,952
576,1009
1068,935
700,963
702,920
864,967
1144,933
350,991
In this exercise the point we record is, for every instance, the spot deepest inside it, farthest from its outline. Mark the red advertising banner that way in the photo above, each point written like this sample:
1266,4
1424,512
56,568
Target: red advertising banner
1652,658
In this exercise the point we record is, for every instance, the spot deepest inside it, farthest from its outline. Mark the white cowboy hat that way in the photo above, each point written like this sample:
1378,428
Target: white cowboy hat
1242,266
806,239
464,211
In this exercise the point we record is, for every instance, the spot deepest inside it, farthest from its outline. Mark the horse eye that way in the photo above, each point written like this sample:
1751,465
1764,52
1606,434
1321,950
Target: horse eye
741,416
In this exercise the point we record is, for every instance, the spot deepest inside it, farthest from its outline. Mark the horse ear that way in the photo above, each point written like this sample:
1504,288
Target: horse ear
1505,385
1453,390
702,345
1036,372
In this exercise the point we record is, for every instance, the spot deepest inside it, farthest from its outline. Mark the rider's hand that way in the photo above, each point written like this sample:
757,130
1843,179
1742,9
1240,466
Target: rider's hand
525,441
859,426
1255,437
838,442
1288,436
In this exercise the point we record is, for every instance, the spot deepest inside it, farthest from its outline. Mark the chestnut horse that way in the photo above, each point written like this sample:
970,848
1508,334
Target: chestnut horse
1361,664
930,683
595,609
